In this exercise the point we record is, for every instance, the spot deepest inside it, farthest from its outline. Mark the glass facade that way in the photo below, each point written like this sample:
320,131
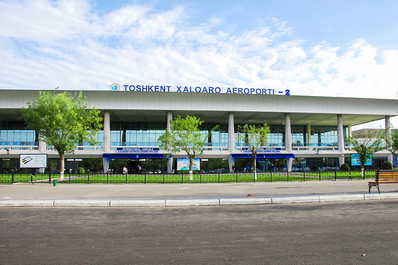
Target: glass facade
147,134
14,133
136,133
218,137
324,136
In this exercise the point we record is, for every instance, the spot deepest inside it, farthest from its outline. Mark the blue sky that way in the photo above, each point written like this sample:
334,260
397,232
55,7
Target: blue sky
343,48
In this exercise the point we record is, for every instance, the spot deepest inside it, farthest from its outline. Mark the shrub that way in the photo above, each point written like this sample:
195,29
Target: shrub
386,165
82,170
345,167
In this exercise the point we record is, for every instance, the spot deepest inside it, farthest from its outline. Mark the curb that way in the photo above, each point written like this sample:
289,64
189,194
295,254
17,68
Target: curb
199,202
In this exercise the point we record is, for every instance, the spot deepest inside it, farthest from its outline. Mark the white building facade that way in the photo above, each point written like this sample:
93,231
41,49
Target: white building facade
305,128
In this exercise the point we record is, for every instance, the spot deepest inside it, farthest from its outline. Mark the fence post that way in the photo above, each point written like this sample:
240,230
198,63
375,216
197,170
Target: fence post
304,174
200,178
237,178
287,175
144,178
12,178
182,177
88,178
335,175
218,177
127,180
319,172
163,178
107,178
49,177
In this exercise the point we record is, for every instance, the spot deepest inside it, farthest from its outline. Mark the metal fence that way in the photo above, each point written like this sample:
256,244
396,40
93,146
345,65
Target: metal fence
88,178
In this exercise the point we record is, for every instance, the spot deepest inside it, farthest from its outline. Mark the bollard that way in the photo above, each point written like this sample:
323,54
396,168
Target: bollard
54,182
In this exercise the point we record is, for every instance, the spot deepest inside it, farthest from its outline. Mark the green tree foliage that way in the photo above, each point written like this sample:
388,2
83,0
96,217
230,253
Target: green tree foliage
386,165
393,143
344,167
184,135
366,146
62,120
254,137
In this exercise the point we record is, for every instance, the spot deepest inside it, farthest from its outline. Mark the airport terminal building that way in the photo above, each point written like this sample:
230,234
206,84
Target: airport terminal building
304,130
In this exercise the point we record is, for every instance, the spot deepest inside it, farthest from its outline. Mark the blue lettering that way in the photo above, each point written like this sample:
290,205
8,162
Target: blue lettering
125,87
186,89
218,90
258,91
240,90
264,91
179,89
229,90
246,90
205,90
271,92
198,89
251,90
132,86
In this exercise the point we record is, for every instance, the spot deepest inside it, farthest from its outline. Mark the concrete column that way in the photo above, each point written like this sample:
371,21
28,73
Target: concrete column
105,162
288,141
42,150
231,140
42,147
340,138
169,159
169,118
349,131
231,132
388,136
107,140
309,134
107,132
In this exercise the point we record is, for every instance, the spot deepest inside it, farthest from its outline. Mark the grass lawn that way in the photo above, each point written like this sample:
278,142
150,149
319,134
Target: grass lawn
184,178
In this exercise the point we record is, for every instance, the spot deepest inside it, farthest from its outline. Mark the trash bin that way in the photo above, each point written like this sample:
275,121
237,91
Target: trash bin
54,182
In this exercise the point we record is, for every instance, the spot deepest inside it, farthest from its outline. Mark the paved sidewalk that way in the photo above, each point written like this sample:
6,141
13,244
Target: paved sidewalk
119,195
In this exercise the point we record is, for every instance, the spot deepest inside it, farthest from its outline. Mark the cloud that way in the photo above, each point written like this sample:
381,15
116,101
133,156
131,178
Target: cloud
45,44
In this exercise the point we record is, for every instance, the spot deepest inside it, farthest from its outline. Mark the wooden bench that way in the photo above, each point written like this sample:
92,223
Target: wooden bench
384,177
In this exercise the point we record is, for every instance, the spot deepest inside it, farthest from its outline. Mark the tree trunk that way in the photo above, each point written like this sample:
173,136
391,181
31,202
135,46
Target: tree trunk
363,171
62,166
191,160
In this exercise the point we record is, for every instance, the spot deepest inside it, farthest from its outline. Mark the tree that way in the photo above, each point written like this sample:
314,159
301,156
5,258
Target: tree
254,137
62,120
184,135
366,146
393,143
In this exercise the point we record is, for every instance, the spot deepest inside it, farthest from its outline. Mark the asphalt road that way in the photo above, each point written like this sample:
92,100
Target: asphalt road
332,233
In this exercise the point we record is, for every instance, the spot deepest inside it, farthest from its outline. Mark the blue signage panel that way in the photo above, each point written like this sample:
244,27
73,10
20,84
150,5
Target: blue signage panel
137,149
183,164
355,160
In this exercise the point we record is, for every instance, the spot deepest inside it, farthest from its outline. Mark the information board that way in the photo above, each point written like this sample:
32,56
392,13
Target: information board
32,160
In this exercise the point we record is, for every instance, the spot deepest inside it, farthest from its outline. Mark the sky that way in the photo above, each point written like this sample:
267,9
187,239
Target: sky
339,48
